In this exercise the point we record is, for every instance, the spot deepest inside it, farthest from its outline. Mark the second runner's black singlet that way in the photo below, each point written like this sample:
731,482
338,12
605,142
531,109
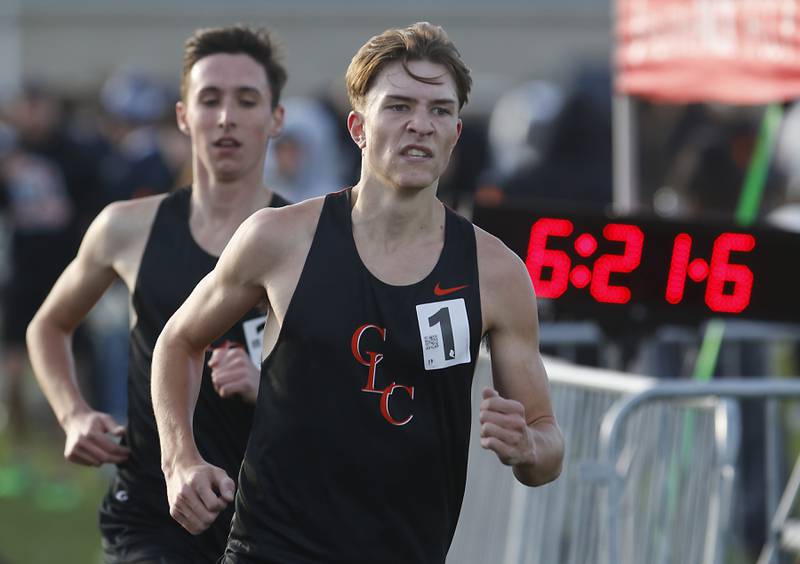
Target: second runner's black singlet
134,517
358,451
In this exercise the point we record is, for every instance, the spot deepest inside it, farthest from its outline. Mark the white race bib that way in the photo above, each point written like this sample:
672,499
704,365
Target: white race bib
444,332
254,337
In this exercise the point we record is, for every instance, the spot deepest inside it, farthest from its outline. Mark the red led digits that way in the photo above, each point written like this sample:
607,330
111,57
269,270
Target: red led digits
721,271
585,245
628,261
561,273
580,276
539,257
585,262
679,264
698,270
717,274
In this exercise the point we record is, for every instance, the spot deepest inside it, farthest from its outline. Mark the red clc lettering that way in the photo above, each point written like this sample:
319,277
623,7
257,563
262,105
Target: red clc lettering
372,363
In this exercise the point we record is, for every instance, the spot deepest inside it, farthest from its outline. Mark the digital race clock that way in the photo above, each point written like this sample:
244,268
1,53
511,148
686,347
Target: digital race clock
651,270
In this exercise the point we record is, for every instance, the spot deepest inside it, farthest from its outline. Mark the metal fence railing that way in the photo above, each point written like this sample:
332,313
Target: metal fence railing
648,474
710,521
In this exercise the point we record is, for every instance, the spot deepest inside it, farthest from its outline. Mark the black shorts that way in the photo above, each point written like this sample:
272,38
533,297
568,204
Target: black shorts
132,532
142,549
142,559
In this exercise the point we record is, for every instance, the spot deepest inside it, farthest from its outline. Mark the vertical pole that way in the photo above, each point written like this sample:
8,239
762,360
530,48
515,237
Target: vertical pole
772,464
626,182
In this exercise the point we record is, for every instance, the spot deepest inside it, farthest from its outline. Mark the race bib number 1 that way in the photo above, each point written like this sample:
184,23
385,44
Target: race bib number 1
444,332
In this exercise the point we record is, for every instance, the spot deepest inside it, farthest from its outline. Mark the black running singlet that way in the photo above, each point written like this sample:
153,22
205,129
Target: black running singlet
135,509
358,451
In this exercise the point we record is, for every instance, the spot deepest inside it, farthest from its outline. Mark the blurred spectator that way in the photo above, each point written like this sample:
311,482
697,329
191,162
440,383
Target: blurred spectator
470,157
334,100
704,178
552,147
305,161
135,165
520,126
48,193
709,152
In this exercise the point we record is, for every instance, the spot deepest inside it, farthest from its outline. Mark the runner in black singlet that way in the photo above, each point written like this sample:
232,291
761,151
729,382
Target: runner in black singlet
161,247
379,297
134,512
400,393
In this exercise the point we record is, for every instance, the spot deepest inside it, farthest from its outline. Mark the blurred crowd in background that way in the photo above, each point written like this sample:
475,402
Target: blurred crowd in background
62,158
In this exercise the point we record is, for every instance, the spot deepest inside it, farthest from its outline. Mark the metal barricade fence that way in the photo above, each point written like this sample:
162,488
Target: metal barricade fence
668,489
768,390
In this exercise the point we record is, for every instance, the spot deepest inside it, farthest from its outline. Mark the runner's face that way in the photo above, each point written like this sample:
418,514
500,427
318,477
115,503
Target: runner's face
407,129
228,115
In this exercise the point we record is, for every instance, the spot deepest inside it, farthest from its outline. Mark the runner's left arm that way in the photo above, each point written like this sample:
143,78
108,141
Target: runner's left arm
517,419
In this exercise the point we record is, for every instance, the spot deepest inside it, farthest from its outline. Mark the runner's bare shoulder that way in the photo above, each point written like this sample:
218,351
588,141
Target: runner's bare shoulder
278,232
120,232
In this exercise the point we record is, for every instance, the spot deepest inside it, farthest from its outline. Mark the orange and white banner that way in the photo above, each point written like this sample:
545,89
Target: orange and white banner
730,51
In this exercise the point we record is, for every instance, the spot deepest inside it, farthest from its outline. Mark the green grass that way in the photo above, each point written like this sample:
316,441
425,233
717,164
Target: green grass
48,507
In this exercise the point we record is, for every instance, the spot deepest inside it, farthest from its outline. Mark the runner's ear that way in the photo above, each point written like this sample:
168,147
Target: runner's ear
180,117
355,125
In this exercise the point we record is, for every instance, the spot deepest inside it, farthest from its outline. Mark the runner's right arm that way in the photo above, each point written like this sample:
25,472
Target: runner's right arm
197,491
49,335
